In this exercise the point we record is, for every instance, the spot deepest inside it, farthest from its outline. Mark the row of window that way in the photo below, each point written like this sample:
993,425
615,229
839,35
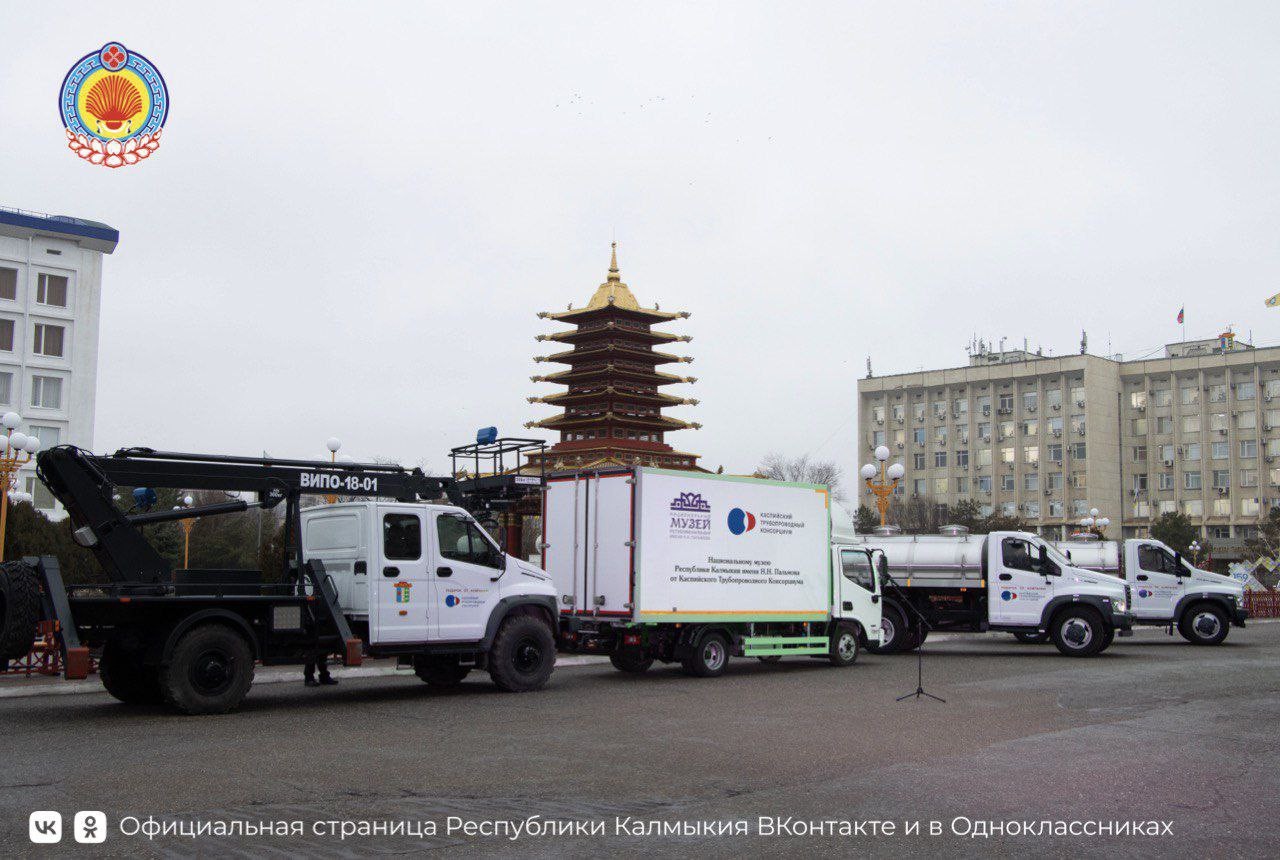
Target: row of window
618,433
1218,392
46,391
1004,404
1193,424
46,339
1191,452
1197,508
1220,479
1054,453
51,290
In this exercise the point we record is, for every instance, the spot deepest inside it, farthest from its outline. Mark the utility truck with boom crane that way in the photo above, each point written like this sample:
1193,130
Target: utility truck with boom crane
191,638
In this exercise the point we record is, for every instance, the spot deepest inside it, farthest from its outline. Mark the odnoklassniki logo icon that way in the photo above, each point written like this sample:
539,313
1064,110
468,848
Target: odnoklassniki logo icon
741,521
113,105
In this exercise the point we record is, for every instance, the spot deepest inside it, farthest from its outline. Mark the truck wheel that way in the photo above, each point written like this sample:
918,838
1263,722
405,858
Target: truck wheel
1077,631
895,630
1203,624
19,609
440,671
1107,639
709,658
1036,638
630,661
523,655
844,647
209,672
124,675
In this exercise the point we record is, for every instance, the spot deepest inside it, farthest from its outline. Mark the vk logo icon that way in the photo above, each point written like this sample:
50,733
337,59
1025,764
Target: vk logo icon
741,521
45,828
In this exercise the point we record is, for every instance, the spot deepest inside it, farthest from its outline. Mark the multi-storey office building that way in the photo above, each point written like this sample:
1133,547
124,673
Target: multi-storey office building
1047,438
50,291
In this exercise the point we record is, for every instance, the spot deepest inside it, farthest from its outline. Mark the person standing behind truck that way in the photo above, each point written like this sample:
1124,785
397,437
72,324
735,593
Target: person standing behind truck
309,673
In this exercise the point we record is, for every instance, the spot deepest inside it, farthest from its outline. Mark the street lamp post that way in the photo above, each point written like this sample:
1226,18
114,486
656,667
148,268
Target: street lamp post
889,477
186,524
1093,522
333,444
18,450
1195,549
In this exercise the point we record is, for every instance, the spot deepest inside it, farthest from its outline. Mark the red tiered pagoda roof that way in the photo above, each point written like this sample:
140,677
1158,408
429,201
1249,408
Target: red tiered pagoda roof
612,406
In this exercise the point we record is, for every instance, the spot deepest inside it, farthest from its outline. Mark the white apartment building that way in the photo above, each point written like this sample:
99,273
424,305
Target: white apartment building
1195,430
50,295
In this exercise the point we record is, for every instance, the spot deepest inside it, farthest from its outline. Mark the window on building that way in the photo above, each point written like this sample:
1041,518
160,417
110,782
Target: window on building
48,436
1139,426
1031,482
1032,510
1009,509
1165,480
1273,447
1221,450
899,412
1030,427
1031,454
51,290
1221,479
1249,508
984,483
1167,506
41,496
6,388
939,459
939,409
1078,424
1007,483
1054,453
1271,388
1164,424
1140,483
1246,391
1142,509
1192,451
1190,394
1077,396
1193,507
960,406
1056,508
962,434
1221,507
1138,399
1139,453
962,458
1191,480
48,340
1053,481
1006,404
984,404
984,456
1247,420
917,462
918,435
962,485
1218,421
8,283
46,392
6,335
1162,396
877,437
939,486
1079,508
1079,480
1030,400
1218,393
1077,451
1190,424
1054,425
1006,455
1006,429
877,414
1053,398
920,487
1248,477
941,434
984,431
917,410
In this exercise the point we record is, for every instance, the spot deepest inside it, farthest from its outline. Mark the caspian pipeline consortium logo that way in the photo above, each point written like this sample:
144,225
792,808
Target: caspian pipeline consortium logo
1008,595
113,105
741,521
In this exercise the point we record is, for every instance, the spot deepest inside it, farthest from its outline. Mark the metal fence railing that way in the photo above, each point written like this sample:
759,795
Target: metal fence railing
1262,604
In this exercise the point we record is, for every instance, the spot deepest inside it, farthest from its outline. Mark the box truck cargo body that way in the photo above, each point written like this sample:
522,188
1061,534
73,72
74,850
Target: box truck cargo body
693,568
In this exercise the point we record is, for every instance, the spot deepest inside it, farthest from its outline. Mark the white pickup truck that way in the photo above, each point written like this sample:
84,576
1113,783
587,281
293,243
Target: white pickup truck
1167,590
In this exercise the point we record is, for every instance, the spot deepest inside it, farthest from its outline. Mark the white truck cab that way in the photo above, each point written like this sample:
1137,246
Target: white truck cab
1166,589
426,583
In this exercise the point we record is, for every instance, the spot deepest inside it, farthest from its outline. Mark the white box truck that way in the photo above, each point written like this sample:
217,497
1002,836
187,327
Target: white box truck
676,566
1003,581
1167,591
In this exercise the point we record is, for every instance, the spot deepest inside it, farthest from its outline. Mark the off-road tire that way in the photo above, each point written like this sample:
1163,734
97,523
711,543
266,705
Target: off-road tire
1036,638
709,658
209,672
844,646
1078,631
897,633
1204,624
440,671
19,609
523,655
630,661
126,677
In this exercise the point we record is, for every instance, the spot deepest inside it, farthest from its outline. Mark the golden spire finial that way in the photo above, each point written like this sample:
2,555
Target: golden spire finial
613,263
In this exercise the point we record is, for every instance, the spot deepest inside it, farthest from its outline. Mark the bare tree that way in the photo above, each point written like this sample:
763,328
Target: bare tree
803,470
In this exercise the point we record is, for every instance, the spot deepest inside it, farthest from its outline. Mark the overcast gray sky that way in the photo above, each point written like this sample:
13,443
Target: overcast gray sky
358,209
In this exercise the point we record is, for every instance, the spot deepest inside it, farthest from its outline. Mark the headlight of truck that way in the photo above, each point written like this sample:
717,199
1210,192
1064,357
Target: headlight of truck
1119,604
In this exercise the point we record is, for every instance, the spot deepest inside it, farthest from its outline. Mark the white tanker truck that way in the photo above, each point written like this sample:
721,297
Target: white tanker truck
1167,590
1014,582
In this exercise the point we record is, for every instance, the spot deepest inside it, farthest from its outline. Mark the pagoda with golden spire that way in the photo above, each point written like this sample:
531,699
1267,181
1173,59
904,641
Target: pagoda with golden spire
612,406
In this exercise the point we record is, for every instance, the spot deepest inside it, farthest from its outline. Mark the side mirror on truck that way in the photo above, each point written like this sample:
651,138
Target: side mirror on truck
1178,569
882,565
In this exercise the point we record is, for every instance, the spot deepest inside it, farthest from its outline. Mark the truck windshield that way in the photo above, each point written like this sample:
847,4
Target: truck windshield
856,566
